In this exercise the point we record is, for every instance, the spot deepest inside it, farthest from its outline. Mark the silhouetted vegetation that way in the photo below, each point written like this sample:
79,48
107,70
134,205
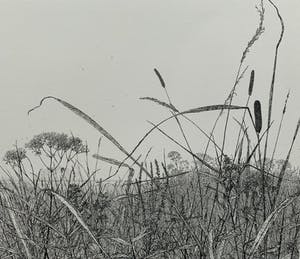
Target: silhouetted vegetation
189,204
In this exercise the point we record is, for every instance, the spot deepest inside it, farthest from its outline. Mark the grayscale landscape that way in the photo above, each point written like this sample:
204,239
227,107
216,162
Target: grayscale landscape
150,129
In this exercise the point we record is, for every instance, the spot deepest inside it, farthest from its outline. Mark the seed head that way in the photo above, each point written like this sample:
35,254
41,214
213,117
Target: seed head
251,83
258,117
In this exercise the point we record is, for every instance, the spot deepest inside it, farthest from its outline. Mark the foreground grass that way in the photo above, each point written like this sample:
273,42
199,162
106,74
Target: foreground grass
180,212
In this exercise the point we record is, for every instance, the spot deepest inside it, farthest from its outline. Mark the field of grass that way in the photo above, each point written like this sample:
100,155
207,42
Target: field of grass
183,210
241,205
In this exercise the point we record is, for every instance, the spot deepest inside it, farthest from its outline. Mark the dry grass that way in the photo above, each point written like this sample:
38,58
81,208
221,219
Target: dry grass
243,205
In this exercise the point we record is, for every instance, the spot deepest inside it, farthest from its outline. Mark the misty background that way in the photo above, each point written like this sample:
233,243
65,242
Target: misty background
100,56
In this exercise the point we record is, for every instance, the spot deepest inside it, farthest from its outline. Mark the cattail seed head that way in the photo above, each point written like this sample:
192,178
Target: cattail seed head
258,116
251,83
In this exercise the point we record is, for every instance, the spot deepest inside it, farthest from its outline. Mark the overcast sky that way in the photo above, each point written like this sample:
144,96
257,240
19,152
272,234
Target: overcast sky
99,56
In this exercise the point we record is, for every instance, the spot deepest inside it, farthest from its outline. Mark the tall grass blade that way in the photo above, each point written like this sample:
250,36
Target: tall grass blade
94,124
169,106
111,161
271,92
84,116
16,226
214,108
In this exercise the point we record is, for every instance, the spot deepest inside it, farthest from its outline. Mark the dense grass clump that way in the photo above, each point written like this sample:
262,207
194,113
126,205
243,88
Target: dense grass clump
177,213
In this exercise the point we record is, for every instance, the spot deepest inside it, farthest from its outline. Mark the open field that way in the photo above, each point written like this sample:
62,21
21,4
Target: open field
54,204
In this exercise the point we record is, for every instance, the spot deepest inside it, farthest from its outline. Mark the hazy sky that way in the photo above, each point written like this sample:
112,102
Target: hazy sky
99,56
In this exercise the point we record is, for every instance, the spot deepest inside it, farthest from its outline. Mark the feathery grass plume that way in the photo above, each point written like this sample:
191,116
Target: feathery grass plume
80,220
161,80
265,226
259,31
251,83
258,116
